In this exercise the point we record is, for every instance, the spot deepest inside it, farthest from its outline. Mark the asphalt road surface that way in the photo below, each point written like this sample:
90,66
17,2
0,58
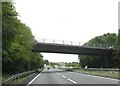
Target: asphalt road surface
56,76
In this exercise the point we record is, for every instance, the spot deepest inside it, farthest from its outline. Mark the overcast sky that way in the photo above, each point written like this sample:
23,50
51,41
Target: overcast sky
71,20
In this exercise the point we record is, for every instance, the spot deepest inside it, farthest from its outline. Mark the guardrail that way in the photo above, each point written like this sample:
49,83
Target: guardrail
104,72
103,69
97,69
17,76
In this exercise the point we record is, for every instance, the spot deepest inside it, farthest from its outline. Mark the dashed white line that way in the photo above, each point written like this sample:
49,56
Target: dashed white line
72,81
63,76
67,78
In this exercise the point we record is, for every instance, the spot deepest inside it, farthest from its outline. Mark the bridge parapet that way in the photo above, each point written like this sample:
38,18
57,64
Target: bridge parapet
65,42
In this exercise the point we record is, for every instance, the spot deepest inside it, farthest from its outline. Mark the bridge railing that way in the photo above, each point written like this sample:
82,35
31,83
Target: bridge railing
65,42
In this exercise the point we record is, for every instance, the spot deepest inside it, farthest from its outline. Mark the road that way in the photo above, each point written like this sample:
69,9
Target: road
56,76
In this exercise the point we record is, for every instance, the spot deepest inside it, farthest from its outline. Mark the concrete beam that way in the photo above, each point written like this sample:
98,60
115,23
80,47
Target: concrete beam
70,49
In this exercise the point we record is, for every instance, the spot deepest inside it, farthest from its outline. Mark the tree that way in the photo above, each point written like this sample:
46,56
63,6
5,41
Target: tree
37,61
109,39
17,42
46,62
118,49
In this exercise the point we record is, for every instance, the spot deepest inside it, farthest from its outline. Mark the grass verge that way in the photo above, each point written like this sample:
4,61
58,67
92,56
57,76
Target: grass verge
5,77
17,81
109,74
20,80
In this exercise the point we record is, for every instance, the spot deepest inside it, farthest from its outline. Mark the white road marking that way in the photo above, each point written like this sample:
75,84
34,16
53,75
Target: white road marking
97,76
101,77
34,79
58,74
72,81
68,78
63,76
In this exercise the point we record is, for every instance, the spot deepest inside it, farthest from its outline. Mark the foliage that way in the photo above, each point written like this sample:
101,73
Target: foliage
54,64
17,42
37,61
46,62
118,49
109,39
72,64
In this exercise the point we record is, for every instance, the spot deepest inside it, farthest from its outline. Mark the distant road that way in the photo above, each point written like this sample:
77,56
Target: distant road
56,76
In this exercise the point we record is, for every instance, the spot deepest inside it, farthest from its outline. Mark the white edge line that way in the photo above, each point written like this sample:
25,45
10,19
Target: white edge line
72,81
96,76
34,79
59,74
63,76
101,77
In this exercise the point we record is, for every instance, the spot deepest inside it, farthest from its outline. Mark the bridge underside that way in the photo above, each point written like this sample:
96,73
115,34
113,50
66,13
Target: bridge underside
70,49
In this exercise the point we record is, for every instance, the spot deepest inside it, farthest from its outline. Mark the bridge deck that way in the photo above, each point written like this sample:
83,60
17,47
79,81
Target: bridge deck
71,49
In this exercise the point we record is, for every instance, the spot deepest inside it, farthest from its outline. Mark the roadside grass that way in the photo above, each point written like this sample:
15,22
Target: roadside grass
20,80
110,74
17,81
0,78
5,77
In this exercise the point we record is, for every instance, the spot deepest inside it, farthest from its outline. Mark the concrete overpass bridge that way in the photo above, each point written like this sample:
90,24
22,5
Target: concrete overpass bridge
71,48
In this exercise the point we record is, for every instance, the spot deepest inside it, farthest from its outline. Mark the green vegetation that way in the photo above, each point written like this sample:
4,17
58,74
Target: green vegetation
65,64
110,74
109,39
17,43
46,62
118,49
99,73
21,80
72,64
17,81
5,77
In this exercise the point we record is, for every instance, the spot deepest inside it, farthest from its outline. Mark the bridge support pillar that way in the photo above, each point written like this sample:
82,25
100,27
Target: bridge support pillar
106,61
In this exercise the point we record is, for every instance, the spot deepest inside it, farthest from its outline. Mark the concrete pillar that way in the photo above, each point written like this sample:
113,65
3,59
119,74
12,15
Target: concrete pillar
106,61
